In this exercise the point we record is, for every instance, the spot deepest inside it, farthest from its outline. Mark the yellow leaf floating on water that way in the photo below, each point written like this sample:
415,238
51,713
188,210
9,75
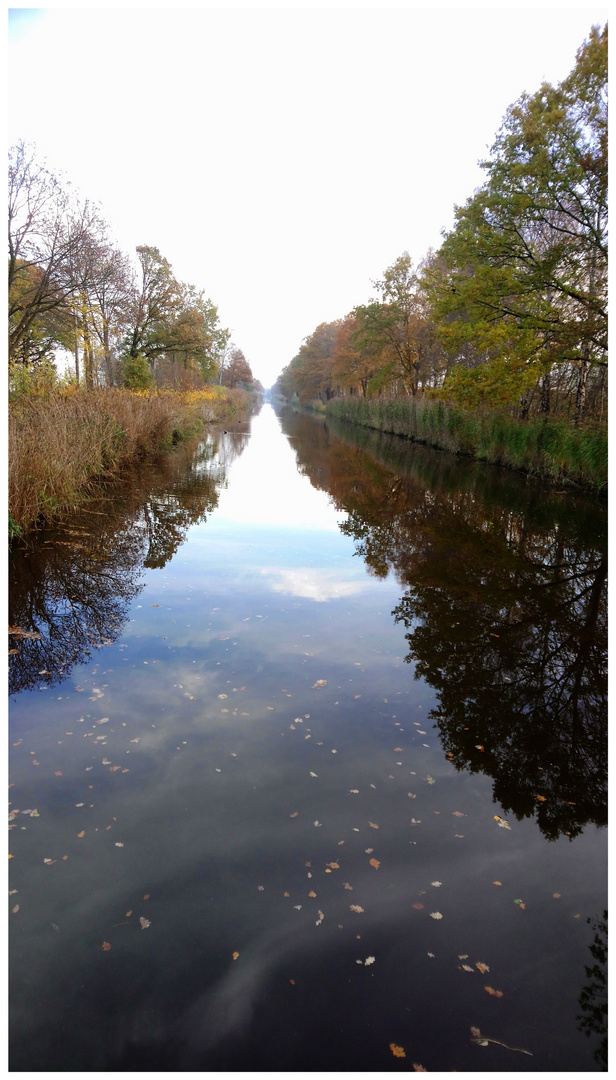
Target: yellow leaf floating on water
235,955
494,993
357,908
375,863
334,865
397,1051
483,968
372,825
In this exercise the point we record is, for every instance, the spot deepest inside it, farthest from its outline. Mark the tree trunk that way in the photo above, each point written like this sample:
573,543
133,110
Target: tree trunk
76,347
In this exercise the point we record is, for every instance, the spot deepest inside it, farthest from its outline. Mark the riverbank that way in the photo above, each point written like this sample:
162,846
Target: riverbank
552,449
63,442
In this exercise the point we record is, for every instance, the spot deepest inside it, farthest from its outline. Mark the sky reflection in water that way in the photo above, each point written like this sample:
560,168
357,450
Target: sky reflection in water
253,735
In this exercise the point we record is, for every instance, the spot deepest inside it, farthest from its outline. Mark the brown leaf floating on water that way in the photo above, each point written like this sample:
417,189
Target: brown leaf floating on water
397,1051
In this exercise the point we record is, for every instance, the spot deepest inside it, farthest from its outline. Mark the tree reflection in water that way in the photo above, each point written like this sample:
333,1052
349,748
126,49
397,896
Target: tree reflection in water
71,589
505,604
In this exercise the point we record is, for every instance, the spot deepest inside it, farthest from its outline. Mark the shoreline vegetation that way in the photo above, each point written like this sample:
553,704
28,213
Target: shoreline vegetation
64,442
550,449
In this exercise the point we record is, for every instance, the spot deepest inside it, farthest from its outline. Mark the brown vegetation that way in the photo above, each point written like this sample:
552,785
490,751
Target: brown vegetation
61,443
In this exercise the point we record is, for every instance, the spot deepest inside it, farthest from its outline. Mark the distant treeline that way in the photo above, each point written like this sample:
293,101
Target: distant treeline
126,323
511,312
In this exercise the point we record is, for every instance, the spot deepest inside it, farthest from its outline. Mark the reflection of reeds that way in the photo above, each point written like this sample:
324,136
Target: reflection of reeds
61,442
544,447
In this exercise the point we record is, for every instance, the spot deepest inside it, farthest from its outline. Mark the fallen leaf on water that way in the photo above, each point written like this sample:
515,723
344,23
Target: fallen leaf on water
419,1068
311,893
320,918
556,896
334,865
118,844
294,814
431,955
129,913
235,955
541,798
357,908
437,884
347,886
319,682
106,946
494,993
397,749
314,774
372,825
465,967
375,863
435,915
292,981
147,896
397,1051
144,922
353,791
417,907
82,833
369,960
15,909
497,883
483,968
458,813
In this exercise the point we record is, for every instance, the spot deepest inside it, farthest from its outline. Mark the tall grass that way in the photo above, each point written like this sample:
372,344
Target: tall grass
543,447
60,443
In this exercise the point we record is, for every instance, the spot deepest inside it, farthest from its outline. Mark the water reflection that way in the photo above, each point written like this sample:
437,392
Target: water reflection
505,607
69,592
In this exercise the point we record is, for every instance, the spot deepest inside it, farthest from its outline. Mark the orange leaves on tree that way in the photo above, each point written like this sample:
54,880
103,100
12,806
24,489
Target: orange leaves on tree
397,1051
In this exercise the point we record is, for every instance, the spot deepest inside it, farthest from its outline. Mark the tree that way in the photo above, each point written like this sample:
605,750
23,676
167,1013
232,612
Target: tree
526,262
398,328
238,371
48,232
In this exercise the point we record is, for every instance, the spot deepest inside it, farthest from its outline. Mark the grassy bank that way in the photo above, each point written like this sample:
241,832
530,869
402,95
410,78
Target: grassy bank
61,443
542,447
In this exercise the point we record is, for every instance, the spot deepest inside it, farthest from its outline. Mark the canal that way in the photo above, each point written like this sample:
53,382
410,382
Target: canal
308,765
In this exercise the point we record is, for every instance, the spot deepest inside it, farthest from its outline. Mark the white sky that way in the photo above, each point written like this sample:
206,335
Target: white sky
280,158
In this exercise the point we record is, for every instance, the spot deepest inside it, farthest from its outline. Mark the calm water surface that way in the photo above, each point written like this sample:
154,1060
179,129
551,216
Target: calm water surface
308,766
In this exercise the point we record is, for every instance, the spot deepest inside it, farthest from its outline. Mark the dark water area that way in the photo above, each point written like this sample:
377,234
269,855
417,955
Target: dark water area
308,743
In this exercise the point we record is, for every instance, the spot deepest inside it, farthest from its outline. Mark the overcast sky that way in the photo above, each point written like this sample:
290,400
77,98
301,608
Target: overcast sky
279,157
